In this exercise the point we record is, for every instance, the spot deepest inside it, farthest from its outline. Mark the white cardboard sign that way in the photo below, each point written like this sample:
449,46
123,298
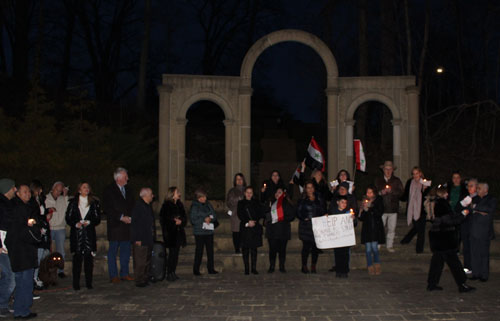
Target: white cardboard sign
333,231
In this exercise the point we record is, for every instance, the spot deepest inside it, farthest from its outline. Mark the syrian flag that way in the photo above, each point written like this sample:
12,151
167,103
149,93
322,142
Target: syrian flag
277,214
296,178
360,156
314,156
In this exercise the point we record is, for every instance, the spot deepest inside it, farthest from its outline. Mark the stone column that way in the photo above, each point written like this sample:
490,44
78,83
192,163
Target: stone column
396,142
228,123
245,96
349,136
413,126
332,94
164,139
181,156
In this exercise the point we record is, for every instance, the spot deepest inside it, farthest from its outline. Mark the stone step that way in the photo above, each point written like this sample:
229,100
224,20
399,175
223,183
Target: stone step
226,261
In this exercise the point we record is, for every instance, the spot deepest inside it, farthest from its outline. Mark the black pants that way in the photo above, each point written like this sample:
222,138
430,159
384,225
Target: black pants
480,257
418,229
253,254
466,249
173,259
277,247
437,264
341,259
236,241
142,263
208,242
309,247
88,267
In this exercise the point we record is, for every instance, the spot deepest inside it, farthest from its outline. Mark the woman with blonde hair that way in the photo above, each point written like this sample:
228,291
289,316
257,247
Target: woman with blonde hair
415,191
173,221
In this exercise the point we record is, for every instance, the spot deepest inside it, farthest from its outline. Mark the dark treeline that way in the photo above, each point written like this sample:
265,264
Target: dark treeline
78,77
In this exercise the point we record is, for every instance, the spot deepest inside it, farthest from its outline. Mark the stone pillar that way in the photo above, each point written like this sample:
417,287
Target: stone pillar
164,139
245,96
228,153
413,126
332,94
349,137
396,142
181,156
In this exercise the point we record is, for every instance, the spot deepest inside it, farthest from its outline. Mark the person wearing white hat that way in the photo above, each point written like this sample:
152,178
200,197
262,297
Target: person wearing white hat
391,189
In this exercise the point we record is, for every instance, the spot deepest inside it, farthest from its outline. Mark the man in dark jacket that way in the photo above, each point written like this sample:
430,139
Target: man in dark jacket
117,204
143,234
481,233
391,189
23,235
468,202
7,283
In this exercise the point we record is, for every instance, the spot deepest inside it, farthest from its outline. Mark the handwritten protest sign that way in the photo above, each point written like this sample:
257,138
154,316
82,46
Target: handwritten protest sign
333,231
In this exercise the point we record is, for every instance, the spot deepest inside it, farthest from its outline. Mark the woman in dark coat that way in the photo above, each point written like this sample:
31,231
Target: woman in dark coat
41,215
414,195
250,212
83,215
270,186
235,195
278,230
444,243
372,231
172,221
309,206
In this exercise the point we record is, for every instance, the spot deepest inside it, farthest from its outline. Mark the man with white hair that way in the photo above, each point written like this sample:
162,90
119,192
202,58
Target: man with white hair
482,233
117,203
143,235
56,202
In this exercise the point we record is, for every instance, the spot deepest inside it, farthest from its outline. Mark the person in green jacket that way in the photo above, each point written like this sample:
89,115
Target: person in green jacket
204,221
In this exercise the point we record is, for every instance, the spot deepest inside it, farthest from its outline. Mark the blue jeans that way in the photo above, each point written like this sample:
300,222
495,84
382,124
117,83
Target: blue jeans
372,247
23,296
124,247
42,253
7,281
59,236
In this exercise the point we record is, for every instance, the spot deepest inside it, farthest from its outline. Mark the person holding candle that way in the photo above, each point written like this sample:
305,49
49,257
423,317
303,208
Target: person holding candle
270,186
234,195
416,189
390,189
309,206
342,254
372,232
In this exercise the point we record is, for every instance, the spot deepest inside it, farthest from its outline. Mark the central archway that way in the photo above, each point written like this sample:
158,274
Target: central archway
332,92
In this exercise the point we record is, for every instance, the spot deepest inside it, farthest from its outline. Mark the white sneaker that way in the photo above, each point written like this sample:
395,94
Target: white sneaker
467,271
391,250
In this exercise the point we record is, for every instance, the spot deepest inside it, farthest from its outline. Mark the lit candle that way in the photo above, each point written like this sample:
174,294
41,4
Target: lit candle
387,186
264,184
352,211
425,180
366,201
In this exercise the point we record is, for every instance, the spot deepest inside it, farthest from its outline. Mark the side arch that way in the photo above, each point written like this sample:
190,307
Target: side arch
358,101
216,99
286,35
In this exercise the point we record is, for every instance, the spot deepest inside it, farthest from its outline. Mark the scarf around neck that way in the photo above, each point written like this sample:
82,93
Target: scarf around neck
414,202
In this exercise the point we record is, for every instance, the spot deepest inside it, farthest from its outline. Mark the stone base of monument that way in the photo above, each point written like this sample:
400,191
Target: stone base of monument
226,260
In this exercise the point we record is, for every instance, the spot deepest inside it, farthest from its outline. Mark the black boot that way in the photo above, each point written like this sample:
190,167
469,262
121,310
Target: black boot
246,261
465,288
282,267
170,277
304,269
313,268
254,261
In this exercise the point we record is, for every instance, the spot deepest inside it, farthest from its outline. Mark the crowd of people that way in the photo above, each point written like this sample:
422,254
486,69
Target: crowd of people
460,212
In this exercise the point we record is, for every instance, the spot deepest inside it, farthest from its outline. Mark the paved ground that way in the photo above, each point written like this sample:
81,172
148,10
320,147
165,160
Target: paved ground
294,296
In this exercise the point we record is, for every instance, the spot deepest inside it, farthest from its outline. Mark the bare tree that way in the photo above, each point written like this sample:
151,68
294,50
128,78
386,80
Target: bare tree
143,63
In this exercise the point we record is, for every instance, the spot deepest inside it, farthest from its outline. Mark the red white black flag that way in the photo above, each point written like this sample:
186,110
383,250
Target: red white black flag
315,158
277,214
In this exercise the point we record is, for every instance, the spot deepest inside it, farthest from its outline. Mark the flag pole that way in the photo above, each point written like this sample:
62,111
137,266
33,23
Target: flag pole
354,167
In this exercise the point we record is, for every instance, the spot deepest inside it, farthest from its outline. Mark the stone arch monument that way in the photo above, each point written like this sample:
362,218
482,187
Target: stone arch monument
233,96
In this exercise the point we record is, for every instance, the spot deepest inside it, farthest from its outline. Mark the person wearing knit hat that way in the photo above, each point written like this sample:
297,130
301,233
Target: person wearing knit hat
7,281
